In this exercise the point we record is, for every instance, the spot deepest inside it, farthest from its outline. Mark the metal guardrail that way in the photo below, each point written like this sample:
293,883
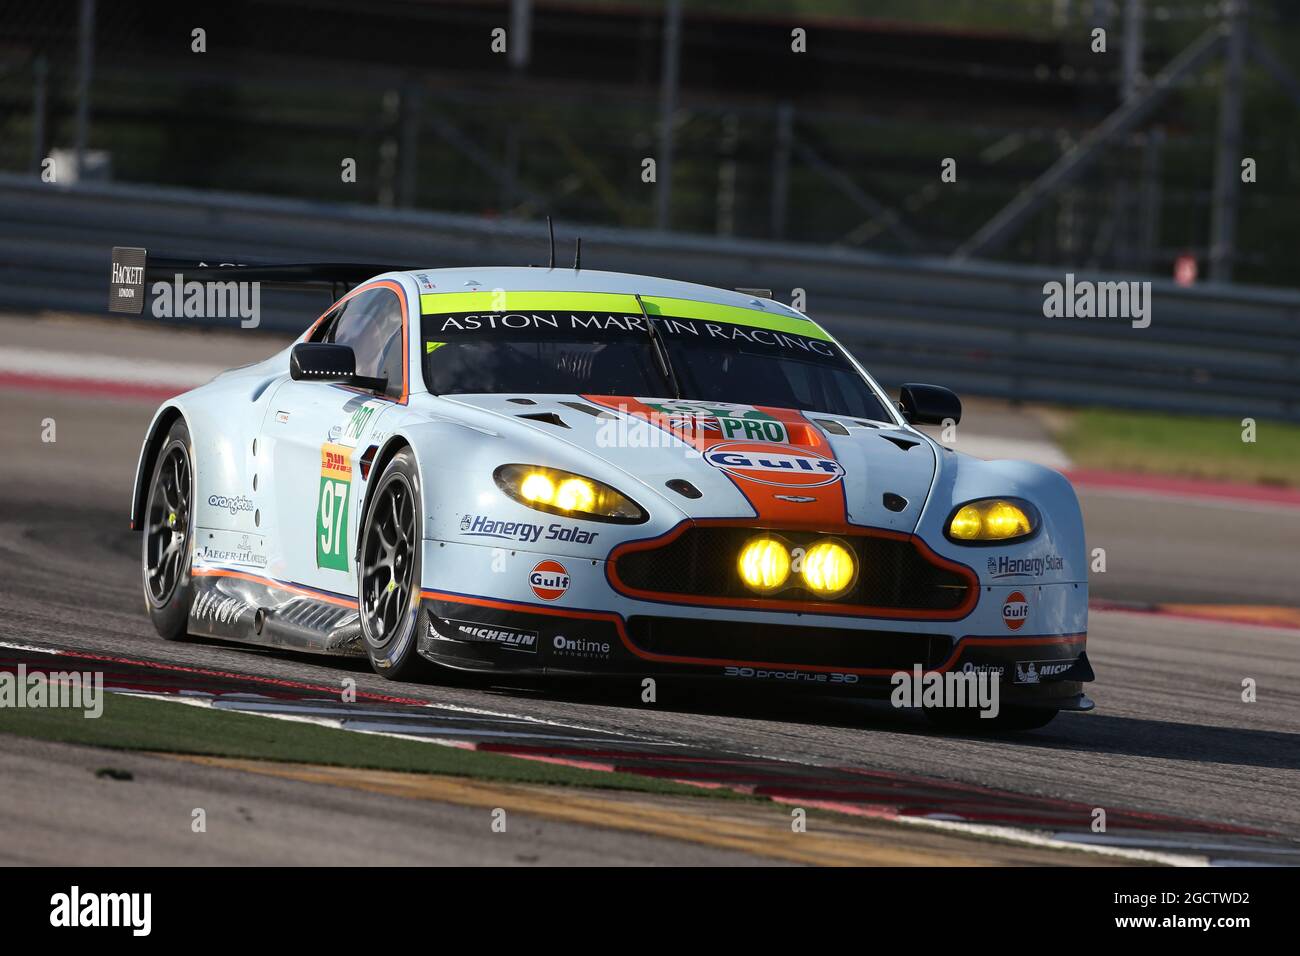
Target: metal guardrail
977,327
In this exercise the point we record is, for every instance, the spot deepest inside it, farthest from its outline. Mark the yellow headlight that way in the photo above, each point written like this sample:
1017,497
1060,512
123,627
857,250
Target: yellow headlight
1005,520
764,564
537,487
564,493
993,519
575,494
828,569
967,523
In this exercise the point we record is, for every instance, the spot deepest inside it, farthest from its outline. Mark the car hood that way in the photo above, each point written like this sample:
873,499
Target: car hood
783,467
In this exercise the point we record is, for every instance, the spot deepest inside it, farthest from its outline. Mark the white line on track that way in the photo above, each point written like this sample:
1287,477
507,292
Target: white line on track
983,831
29,647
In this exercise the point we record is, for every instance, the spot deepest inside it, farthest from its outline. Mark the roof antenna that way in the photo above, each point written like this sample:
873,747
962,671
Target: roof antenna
551,229
577,255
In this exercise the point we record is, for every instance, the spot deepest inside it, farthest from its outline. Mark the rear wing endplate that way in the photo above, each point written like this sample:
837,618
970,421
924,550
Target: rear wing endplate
133,267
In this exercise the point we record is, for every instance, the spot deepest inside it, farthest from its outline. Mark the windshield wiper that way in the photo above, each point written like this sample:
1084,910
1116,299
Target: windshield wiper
660,350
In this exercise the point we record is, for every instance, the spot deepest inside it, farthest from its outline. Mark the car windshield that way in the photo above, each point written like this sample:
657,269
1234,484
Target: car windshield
614,354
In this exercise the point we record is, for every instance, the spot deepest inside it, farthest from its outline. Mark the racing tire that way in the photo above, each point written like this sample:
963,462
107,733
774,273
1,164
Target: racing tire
1009,719
168,530
388,572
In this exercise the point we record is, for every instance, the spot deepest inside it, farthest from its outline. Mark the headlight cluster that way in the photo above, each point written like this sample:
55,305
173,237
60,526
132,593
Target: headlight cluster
993,519
564,493
827,568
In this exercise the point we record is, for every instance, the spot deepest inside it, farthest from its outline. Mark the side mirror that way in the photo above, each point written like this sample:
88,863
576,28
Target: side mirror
327,362
928,404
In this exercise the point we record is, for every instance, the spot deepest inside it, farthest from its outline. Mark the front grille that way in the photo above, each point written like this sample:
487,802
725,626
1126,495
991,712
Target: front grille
893,574
787,644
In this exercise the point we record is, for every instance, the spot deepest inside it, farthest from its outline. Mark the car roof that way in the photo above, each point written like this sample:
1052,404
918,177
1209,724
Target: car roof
541,279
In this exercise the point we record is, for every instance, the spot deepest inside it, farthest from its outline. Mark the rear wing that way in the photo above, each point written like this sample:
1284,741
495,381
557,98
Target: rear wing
133,267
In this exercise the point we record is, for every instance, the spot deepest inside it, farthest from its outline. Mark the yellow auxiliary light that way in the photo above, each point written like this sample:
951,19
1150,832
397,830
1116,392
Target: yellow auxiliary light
764,564
828,569
993,519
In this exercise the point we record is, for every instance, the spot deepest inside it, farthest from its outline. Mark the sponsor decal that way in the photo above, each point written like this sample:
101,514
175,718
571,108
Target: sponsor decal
506,637
1015,610
741,422
549,580
357,424
224,547
426,284
234,504
1033,672
579,647
480,526
691,423
783,465
753,673
971,668
126,283
361,415
332,507
1002,566
568,325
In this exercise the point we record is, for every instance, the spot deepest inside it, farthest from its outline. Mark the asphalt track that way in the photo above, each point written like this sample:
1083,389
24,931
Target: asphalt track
1171,734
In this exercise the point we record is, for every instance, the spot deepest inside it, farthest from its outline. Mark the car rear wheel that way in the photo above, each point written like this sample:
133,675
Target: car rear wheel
388,574
168,524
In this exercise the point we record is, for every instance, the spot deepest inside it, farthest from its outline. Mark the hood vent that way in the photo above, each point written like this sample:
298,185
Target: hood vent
591,410
683,488
832,426
901,442
549,418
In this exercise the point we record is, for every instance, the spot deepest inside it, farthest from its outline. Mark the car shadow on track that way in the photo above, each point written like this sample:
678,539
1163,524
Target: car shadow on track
1090,733
1171,740
1082,733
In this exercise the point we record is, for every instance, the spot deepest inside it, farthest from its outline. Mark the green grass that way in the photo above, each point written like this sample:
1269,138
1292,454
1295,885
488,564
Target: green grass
1183,445
133,723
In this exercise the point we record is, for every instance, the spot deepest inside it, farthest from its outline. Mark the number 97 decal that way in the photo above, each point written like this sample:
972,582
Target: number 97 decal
332,507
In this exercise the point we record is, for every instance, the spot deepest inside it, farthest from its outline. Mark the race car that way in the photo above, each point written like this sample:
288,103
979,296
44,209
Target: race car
556,471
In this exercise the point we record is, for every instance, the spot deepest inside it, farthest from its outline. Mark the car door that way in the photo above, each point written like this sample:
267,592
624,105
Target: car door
315,433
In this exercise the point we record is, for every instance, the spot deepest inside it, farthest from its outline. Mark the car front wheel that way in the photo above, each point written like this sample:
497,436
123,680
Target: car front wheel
388,574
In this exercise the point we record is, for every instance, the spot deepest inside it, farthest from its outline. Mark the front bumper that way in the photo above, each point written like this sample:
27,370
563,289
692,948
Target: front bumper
569,621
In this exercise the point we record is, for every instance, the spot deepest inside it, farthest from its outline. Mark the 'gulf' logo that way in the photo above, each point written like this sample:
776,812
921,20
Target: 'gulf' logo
1015,610
549,580
772,464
